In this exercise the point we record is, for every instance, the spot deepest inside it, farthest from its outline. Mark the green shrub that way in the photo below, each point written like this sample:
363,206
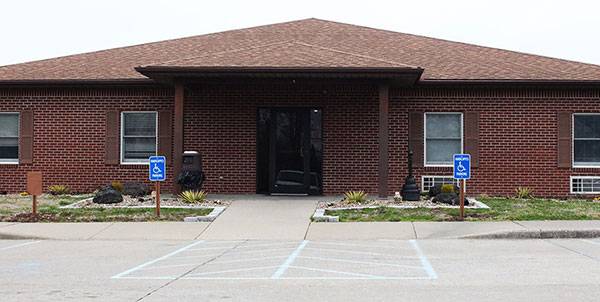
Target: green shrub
192,196
58,190
355,196
448,188
118,186
524,192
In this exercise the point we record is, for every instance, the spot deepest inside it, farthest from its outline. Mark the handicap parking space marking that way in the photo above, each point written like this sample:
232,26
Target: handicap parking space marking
129,271
306,260
14,246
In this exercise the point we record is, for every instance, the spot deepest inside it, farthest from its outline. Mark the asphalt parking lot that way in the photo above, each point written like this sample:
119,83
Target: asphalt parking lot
262,270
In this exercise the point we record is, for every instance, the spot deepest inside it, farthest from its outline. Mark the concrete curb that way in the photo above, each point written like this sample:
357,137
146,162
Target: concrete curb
208,218
538,234
319,216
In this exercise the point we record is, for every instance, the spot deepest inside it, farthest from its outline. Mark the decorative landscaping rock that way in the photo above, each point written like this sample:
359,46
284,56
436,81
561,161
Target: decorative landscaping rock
108,195
437,189
136,189
449,198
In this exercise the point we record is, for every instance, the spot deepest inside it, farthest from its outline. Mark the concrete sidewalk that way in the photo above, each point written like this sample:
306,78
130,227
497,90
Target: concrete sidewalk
291,227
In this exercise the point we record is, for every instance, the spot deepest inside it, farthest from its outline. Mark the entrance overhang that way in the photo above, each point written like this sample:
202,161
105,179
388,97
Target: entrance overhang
397,76
383,77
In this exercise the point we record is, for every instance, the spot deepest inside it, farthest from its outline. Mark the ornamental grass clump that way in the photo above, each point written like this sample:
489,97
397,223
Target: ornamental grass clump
58,190
192,196
355,196
524,192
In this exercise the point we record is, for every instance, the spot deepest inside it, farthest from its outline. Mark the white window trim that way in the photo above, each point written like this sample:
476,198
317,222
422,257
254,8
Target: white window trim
7,161
462,138
122,132
582,193
573,163
456,181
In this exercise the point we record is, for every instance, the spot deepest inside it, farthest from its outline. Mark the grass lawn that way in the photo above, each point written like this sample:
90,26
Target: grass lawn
500,209
17,208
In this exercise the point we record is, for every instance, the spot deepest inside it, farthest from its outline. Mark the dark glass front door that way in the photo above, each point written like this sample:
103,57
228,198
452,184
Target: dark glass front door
289,151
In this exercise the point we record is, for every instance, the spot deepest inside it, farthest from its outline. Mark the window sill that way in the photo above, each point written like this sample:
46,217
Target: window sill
146,163
586,166
439,166
9,162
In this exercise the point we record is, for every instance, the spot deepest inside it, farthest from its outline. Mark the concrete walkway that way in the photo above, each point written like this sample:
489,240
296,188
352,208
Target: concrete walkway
262,217
248,221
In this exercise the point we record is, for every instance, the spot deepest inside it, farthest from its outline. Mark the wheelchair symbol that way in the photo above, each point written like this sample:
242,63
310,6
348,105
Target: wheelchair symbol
156,169
460,167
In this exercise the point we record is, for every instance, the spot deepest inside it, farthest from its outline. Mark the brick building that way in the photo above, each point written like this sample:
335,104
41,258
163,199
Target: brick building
308,106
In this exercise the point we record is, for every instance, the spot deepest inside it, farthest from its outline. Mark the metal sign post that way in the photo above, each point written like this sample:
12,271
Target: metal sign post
157,173
462,172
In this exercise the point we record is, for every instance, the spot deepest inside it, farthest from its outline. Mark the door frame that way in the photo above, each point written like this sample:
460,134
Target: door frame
306,151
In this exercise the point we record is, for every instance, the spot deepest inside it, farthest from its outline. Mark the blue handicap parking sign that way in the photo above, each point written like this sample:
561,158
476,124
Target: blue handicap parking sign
157,168
462,166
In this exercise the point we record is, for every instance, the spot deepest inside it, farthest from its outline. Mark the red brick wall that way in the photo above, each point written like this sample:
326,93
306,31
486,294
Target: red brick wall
518,143
220,122
69,134
517,148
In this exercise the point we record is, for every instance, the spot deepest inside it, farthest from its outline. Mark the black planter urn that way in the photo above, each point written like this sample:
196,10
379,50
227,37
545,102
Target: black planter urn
410,190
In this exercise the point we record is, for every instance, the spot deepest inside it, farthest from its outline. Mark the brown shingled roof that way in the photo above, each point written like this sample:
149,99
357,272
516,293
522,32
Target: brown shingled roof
308,43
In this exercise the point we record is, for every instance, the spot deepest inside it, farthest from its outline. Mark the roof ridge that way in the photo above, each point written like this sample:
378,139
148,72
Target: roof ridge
160,41
455,42
355,54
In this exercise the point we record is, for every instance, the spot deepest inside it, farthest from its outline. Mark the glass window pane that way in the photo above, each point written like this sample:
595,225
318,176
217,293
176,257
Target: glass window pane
140,124
9,148
587,126
443,125
9,125
440,151
587,151
139,147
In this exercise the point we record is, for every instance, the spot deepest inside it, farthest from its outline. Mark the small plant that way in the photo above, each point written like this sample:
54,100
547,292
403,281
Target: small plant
355,196
118,186
59,190
192,196
524,192
597,198
447,188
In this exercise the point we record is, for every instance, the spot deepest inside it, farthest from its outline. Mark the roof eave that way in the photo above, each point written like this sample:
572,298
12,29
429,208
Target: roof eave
62,82
507,82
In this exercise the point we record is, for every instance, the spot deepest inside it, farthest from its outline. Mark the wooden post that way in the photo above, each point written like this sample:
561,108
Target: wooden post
157,198
462,199
34,205
178,134
384,138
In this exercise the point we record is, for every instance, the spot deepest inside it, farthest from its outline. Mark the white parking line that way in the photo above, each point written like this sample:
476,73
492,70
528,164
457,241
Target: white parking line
129,271
361,262
424,262
338,272
233,270
357,245
285,265
357,252
242,264
18,245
